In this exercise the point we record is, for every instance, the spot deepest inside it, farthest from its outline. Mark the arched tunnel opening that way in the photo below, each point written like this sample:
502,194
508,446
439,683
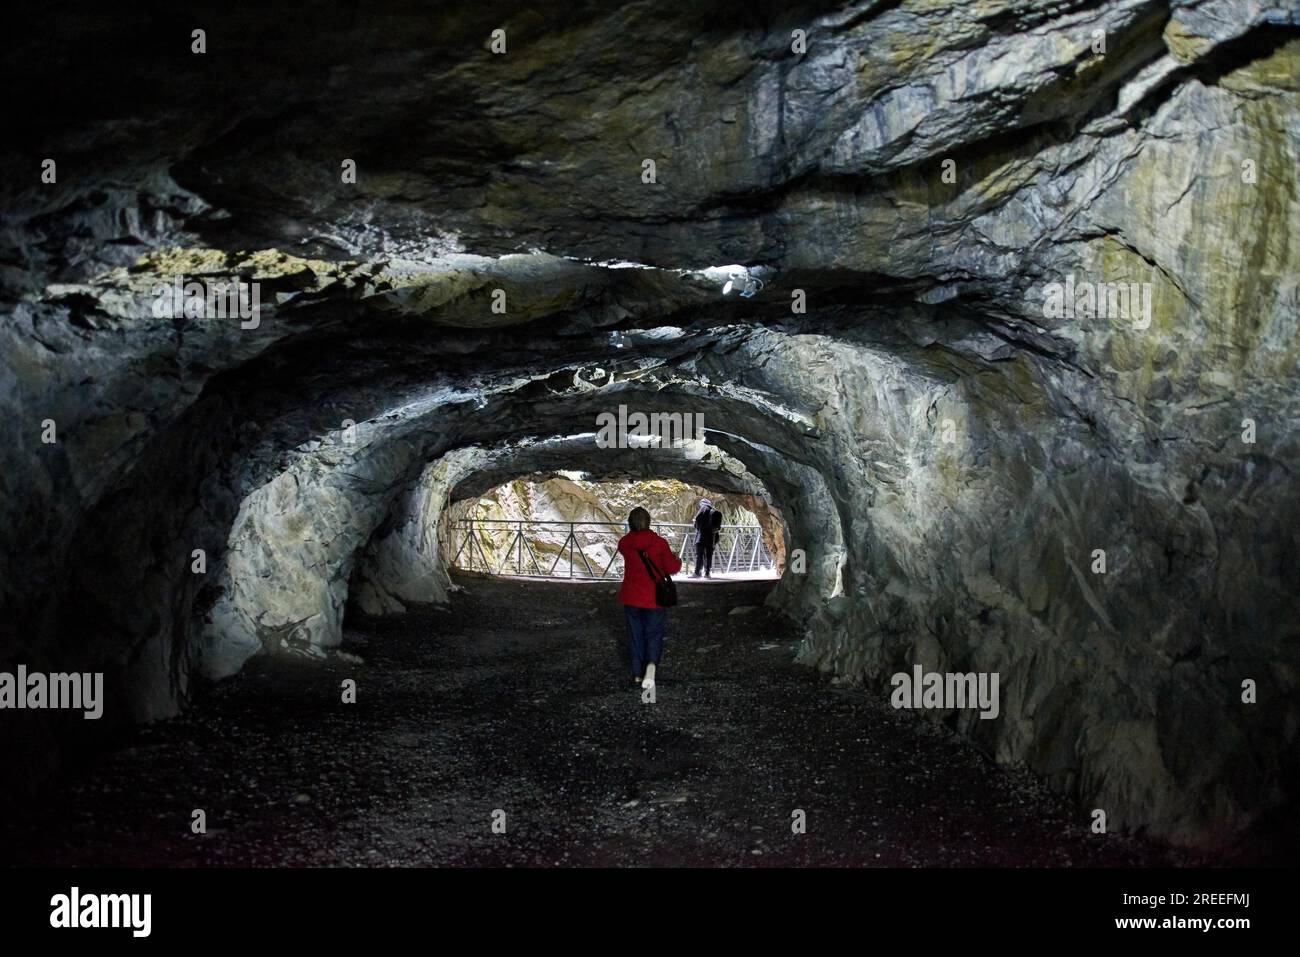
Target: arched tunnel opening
322,437
568,526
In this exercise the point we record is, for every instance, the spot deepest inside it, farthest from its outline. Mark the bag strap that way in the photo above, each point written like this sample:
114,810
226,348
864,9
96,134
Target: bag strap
650,568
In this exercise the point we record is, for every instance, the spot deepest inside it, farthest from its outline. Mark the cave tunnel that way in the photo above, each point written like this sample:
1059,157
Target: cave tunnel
987,327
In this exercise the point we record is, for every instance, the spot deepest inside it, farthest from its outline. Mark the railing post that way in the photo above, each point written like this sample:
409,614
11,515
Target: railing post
463,543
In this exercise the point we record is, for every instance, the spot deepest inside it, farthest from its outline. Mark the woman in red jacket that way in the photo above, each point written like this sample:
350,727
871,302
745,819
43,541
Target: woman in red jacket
645,619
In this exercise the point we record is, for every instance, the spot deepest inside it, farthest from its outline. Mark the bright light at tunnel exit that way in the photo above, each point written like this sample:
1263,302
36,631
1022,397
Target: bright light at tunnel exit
738,279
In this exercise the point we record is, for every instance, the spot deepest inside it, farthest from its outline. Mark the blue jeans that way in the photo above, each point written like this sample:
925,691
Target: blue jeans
645,633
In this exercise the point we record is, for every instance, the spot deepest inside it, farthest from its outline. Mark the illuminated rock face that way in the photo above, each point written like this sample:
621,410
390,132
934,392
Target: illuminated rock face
1093,496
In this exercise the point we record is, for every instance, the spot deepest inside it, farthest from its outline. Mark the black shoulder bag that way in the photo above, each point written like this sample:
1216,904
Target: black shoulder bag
665,587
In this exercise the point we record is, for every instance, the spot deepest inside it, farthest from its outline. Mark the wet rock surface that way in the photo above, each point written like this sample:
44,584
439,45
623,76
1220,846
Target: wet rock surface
513,698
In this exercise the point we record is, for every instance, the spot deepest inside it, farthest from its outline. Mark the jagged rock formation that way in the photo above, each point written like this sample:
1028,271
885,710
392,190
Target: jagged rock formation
950,448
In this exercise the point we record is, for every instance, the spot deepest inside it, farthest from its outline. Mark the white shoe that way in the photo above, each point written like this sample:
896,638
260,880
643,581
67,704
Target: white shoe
649,681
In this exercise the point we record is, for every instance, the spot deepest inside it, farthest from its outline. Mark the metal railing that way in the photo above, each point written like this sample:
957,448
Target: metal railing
524,547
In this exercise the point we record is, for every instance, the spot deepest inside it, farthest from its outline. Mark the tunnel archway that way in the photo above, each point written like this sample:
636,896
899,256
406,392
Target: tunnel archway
524,526
339,493
403,561
310,587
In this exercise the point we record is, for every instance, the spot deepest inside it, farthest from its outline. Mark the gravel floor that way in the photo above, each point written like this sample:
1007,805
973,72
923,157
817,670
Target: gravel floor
514,700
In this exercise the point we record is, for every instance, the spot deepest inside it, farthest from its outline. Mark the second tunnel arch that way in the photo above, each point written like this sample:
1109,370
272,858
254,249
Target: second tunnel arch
404,563
363,486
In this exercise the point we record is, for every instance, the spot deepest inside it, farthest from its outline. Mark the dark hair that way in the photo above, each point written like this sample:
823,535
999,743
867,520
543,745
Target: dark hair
639,520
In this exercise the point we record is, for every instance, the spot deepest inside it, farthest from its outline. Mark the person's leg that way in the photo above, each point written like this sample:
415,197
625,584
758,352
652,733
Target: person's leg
708,562
699,558
636,639
654,642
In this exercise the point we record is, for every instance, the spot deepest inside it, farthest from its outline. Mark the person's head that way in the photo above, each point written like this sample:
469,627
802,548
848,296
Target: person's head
639,520
705,503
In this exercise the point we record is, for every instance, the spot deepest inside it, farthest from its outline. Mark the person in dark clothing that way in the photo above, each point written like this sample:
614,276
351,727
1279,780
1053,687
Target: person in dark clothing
708,524
645,619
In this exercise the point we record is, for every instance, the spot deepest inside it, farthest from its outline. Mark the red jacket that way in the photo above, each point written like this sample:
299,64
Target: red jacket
638,589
